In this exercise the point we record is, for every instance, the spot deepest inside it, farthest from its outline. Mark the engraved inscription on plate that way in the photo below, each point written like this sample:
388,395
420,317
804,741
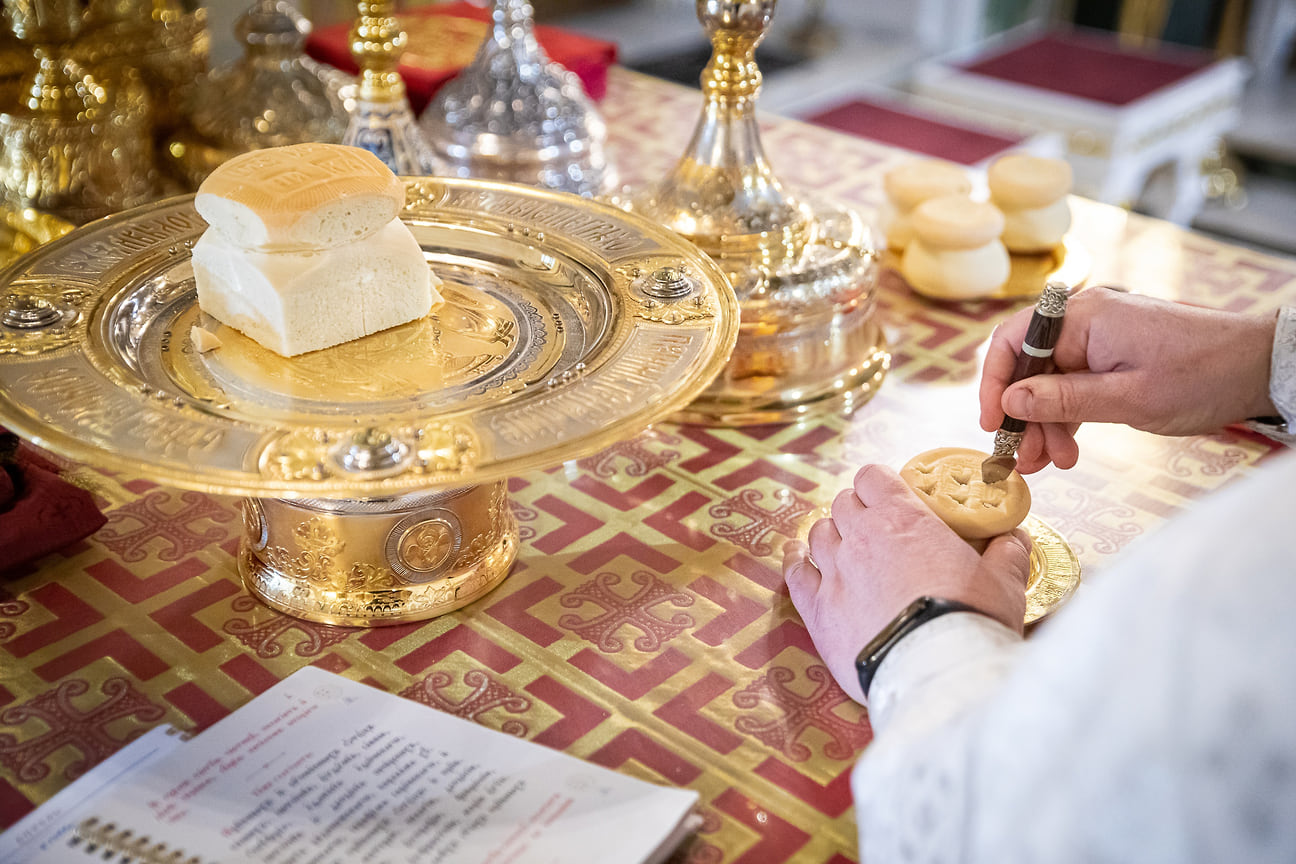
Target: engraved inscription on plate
102,251
627,382
604,233
73,399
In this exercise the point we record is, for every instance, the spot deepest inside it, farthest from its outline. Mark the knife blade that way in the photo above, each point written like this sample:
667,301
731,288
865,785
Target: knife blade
1036,357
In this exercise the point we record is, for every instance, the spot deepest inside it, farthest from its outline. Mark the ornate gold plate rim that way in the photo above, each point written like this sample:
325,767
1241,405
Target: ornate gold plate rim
1055,570
1068,262
613,254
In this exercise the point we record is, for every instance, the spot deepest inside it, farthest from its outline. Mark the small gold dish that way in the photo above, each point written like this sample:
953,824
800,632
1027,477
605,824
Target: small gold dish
1055,570
1068,262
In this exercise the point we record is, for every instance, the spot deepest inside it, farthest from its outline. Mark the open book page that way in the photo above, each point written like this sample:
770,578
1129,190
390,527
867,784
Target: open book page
322,769
49,826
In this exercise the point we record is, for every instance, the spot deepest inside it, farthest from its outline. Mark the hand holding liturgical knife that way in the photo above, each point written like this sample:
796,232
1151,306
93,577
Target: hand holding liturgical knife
1035,358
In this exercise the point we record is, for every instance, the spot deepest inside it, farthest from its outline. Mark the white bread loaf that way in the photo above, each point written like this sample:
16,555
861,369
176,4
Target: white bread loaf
1031,191
294,302
911,183
955,253
300,197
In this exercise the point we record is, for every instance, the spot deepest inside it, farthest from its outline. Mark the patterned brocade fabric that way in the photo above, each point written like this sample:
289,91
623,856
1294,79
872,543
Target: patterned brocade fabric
645,625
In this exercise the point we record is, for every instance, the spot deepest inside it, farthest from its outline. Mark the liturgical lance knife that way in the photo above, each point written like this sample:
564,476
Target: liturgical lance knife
1035,357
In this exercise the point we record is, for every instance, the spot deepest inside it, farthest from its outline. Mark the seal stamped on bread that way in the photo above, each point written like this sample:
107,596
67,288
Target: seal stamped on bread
300,197
948,479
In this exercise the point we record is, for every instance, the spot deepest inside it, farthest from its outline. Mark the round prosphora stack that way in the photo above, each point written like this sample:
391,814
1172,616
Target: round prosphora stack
306,250
948,479
1031,192
911,183
955,252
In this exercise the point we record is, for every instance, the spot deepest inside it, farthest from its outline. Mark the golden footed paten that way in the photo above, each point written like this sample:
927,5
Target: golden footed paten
1069,262
375,471
805,274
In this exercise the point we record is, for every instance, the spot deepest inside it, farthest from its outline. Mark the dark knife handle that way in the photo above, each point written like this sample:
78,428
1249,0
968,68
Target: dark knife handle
1036,356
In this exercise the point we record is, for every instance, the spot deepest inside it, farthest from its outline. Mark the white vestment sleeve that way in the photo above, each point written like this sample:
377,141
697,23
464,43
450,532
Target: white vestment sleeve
1153,719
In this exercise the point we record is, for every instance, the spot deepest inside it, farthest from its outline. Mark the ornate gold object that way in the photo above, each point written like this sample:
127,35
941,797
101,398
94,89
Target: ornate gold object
274,94
1055,570
364,562
806,277
166,46
374,469
21,231
15,61
76,146
514,114
382,121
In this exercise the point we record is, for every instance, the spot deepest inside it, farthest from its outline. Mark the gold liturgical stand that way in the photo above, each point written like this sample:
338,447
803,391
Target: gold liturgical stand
805,275
375,472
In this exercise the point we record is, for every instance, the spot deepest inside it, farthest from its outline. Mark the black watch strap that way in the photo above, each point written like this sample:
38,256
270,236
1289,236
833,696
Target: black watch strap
916,614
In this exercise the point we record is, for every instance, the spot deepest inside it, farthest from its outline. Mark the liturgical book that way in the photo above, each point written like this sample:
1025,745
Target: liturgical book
323,769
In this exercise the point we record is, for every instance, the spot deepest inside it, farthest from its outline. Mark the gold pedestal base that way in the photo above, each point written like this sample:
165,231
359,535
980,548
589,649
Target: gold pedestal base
375,562
778,375
809,340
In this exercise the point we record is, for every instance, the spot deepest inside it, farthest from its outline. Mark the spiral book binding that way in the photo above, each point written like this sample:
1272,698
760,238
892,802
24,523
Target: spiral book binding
106,842
120,845
318,763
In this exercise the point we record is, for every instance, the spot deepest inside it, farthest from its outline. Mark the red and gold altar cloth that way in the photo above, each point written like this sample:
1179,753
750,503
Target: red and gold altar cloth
645,626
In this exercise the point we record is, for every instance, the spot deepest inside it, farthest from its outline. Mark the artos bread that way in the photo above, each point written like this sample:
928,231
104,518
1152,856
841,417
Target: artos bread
955,252
1031,192
949,480
294,302
300,197
306,251
911,183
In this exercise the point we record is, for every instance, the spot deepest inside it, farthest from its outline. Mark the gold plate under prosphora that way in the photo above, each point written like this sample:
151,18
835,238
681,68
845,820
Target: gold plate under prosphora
1068,262
568,325
1055,570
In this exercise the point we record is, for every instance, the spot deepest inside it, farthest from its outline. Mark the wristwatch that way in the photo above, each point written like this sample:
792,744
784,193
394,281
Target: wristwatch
913,616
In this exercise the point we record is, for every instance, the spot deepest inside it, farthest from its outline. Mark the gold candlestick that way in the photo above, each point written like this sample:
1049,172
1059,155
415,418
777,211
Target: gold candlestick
805,276
382,121
76,146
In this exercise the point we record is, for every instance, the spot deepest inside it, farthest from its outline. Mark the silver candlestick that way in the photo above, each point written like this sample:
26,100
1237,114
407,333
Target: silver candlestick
514,114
